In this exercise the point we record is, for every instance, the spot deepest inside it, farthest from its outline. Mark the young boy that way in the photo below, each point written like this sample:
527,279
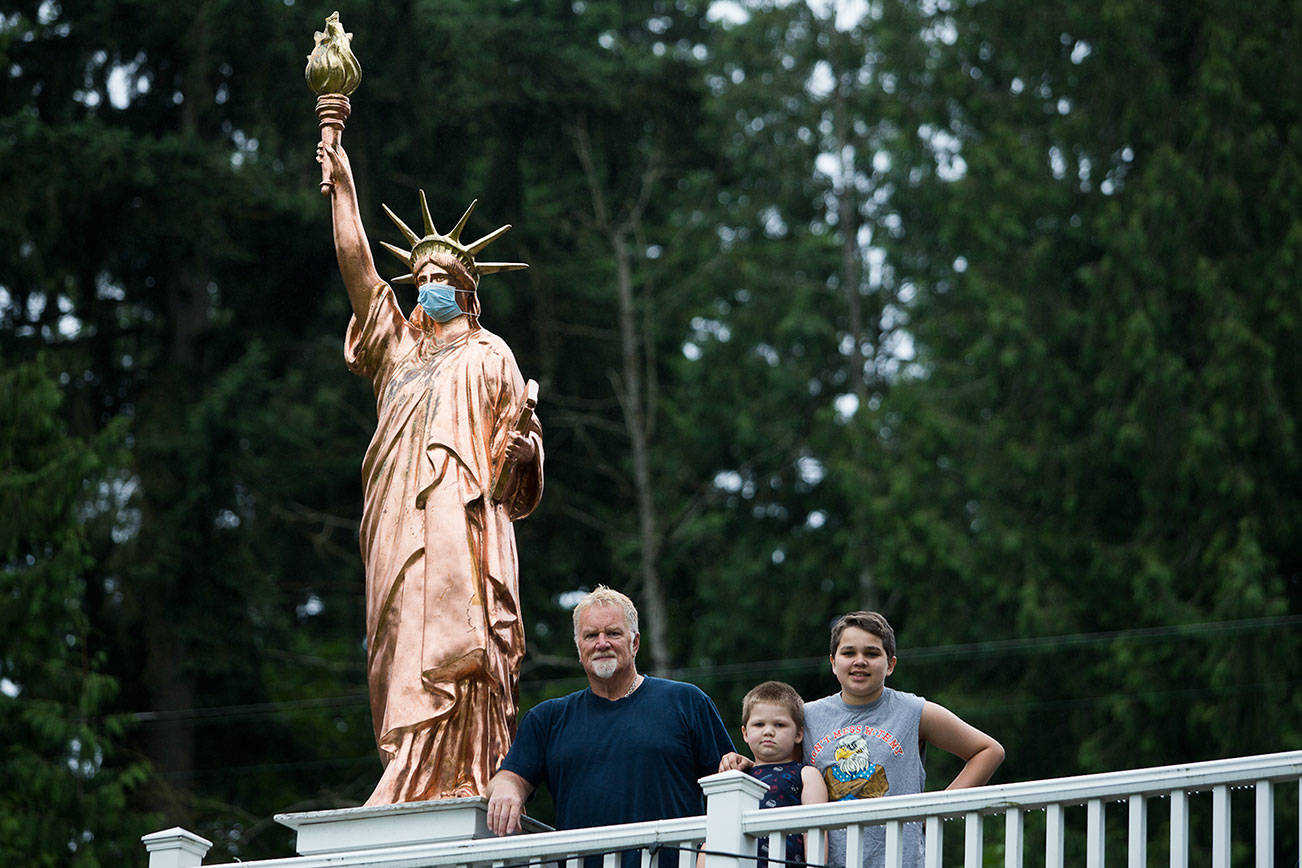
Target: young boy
869,740
773,722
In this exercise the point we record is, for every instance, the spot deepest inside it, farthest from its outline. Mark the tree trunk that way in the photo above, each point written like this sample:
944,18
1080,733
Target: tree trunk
848,222
637,411
636,398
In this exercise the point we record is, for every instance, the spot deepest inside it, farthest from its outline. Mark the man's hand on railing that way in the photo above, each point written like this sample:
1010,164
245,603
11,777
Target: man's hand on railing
506,793
736,761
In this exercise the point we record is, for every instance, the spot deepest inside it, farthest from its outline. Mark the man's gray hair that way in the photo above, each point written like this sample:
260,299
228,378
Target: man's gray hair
604,596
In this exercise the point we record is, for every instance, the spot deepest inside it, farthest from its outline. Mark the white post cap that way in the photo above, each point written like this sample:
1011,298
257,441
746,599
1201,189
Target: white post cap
175,848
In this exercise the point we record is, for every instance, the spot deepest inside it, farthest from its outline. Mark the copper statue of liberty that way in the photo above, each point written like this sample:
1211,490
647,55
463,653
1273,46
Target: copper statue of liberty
457,457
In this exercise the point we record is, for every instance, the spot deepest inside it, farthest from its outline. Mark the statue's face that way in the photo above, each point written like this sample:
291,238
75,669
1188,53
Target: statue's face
431,272
441,269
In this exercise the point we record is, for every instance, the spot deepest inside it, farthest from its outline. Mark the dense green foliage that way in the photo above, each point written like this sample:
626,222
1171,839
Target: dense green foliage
1118,435
982,313
66,779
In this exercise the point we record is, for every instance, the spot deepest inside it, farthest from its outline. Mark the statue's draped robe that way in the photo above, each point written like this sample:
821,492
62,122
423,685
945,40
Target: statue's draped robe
443,631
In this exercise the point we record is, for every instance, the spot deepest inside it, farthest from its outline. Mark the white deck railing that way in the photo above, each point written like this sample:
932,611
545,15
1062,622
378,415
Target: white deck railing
734,823
1135,788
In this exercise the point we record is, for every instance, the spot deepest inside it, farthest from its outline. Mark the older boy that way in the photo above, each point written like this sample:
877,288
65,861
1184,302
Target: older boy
868,740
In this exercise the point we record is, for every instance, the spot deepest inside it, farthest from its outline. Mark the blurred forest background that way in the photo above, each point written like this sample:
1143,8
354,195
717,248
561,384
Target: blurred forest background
974,311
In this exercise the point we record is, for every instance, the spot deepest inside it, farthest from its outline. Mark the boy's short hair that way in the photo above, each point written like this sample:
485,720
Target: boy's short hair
604,596
870,622
778,693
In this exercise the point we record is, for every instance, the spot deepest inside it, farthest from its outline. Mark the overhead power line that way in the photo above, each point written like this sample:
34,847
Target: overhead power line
252,709
772,668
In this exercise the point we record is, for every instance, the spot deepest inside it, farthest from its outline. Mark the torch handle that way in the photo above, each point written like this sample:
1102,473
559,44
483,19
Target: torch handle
329,136
332,109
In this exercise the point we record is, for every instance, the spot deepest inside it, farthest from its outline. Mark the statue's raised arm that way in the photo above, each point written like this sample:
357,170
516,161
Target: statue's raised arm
333,73
356,264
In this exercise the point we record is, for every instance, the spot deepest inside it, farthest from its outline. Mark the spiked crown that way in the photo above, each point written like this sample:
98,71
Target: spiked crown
433,242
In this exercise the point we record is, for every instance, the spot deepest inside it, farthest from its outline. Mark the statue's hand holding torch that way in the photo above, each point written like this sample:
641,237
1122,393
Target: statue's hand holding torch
333,73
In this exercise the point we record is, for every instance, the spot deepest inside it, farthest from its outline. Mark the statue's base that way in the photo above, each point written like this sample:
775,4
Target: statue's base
393,825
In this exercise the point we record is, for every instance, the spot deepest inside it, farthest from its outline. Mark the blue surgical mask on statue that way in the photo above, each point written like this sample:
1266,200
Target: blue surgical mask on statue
439,301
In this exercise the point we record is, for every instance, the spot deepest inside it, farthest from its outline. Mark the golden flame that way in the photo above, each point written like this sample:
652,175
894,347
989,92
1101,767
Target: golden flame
331,67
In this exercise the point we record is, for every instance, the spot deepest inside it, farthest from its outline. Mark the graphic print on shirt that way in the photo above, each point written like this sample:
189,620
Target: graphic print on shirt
852,774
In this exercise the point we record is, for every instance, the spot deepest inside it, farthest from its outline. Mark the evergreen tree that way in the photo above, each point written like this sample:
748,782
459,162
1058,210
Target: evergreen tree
162,265
67,776
1102,433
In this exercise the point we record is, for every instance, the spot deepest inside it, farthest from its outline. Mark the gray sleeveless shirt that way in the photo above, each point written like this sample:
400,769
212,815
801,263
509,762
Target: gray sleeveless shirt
865,751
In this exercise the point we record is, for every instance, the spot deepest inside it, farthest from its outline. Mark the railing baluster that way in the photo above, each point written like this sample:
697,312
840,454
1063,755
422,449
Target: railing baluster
1265,824
854,846
1014,837
1094,834
1053,837
934,842
1179,829
1221,827
814,852
1137,837
610,860
894,845
973,834
778,847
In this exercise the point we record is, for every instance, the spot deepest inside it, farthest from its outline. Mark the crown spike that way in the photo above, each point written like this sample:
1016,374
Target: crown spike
488,239
424,213
495,267
412,237
403,255
406,278
455,234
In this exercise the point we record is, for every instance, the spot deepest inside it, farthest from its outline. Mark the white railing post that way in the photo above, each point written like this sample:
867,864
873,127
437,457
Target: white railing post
1137,839
815,846
1179,829
1221,827
1014,837
1266,824
973,839
934,842
853,846
175,848
727,794
1054,836
893,857
1094,834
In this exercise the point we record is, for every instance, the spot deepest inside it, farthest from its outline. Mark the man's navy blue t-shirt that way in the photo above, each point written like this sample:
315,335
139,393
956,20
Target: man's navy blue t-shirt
637,758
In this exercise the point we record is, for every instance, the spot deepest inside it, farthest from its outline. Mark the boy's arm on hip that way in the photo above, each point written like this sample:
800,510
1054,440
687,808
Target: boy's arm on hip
946,730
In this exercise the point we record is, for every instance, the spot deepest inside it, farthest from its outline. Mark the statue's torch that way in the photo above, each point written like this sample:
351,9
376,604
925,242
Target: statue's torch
333,73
